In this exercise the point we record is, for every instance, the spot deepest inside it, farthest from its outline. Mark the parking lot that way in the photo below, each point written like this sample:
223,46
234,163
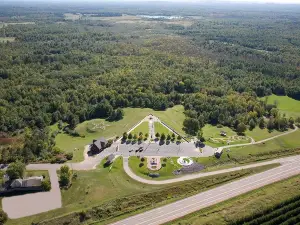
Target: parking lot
171,149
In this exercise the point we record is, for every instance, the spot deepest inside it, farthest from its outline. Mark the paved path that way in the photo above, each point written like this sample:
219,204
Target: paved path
208,198
262,141
30,204
282,161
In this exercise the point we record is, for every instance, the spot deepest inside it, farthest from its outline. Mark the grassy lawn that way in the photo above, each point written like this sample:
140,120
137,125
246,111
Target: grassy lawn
213,137
166,172
279,147
260,134
287,105
92,188
158,127
143,127
113,195
245,205
33,173
284,142
94,129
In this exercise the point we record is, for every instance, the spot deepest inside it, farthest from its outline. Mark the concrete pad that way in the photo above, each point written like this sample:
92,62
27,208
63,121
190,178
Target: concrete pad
31,204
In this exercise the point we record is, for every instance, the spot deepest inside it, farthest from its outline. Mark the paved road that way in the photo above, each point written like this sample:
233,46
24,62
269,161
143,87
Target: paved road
208,198
282,161
30,204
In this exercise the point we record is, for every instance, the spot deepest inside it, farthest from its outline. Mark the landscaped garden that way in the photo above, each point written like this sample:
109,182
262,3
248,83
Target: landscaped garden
94,129
103,188
168,165
213,136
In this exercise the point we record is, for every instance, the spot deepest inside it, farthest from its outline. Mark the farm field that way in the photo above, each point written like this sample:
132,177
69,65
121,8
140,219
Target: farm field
94,129
7,39
286,105
104,188
247,205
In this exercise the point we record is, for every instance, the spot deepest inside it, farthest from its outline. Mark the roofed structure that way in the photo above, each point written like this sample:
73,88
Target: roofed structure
28,182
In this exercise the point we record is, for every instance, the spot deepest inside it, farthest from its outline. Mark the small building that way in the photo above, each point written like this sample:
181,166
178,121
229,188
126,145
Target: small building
98,145
110,159
27,183
223,133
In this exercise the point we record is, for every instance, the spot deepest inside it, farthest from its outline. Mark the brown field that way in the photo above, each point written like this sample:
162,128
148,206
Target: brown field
72,16
7,39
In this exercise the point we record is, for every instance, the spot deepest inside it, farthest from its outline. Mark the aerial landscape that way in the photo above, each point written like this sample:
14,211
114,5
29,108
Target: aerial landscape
149,112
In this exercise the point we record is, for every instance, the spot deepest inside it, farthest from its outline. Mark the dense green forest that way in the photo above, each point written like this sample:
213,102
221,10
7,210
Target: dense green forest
215,62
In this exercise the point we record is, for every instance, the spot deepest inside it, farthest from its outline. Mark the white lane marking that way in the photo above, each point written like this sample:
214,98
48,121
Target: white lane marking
197,201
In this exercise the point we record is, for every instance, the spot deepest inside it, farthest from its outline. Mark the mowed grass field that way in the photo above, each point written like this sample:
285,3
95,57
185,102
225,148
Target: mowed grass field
143,127
119,196
161,129
92,188
165,172
284,142
260,134
214,139
245,205
287,105
94,129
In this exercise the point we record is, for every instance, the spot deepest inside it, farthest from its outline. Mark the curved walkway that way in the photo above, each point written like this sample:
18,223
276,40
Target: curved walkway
30,204
211,197
127,169
261,141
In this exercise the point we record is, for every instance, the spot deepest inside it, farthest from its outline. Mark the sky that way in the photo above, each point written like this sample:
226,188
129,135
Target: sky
193,1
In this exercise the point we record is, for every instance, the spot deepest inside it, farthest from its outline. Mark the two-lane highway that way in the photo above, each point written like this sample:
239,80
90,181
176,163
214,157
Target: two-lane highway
208,198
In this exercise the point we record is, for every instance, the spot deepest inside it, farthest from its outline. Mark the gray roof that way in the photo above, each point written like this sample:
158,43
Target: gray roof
110,157
99,142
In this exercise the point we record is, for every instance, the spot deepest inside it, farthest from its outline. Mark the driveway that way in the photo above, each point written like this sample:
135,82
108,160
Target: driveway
31,204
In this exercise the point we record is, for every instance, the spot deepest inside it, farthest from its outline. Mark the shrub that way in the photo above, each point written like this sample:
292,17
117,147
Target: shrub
163,165
46,185
3,217
69,155
60,159
143,159
15,170
141,165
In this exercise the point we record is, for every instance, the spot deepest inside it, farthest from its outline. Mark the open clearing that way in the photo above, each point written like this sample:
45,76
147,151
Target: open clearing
213,137
94,129
287,105
101,187
260,134
284,142
7,39
129,19
254,202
